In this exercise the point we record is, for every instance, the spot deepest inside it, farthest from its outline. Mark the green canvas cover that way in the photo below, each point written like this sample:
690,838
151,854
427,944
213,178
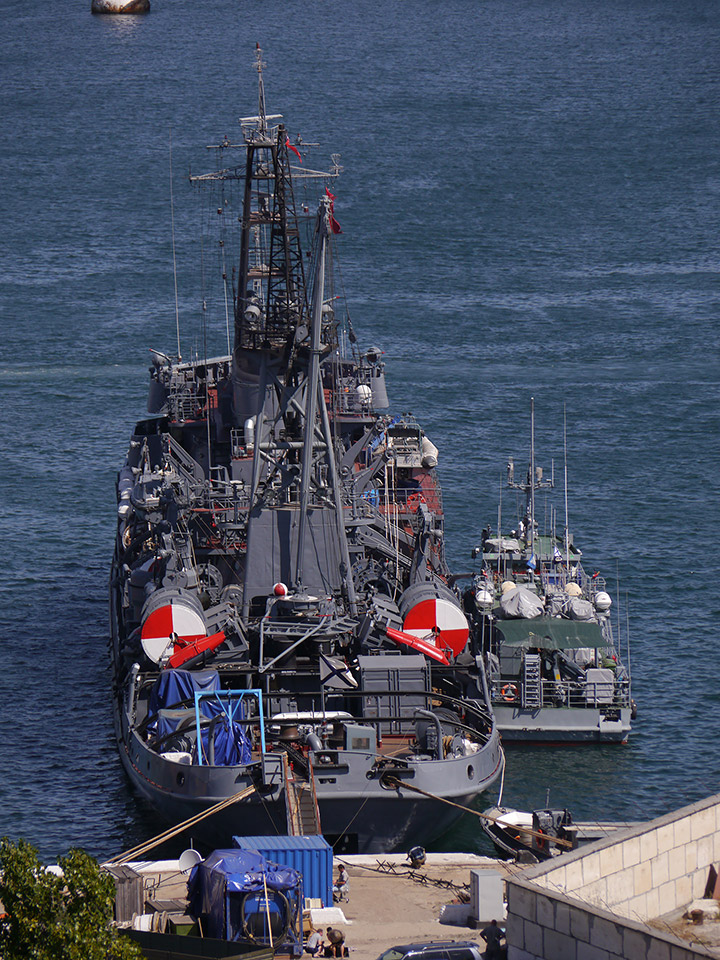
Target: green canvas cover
550,633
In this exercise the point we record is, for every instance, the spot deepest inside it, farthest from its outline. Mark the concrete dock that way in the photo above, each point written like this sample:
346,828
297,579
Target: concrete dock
387,908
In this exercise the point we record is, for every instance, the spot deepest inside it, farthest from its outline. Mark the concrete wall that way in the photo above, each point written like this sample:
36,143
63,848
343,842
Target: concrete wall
544,925
600,895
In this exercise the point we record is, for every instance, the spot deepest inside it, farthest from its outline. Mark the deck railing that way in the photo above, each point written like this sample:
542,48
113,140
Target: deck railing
556,693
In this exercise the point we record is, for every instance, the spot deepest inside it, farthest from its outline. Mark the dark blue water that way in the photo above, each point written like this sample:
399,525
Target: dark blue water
530,207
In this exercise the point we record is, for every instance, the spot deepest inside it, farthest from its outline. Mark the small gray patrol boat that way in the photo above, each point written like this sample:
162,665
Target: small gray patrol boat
284,631
544,625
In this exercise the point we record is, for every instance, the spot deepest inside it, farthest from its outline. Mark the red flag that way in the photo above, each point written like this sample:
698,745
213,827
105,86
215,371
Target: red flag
293,148
334,225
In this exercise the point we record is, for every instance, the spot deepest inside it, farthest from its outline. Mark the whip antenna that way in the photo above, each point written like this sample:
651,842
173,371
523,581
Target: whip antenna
172,223
567,529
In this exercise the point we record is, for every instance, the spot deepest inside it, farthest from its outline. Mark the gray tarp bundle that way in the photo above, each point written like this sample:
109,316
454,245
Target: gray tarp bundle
581,609
521,602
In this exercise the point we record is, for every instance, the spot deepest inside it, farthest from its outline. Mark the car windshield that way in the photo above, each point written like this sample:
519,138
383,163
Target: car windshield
392,954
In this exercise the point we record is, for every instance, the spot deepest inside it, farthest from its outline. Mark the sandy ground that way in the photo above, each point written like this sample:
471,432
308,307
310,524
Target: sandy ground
385,910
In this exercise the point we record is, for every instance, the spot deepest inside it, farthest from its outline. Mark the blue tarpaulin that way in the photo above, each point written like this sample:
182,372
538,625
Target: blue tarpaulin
227,893
175,687
230,741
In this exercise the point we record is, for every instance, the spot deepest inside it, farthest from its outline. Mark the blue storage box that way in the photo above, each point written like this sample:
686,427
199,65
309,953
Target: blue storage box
310,856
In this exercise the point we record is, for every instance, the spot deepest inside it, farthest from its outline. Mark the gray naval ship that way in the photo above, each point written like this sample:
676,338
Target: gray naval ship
284,634
544,623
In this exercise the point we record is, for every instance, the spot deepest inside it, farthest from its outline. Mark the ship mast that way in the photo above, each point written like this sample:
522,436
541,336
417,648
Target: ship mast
259,64
278,396
314,401
534,481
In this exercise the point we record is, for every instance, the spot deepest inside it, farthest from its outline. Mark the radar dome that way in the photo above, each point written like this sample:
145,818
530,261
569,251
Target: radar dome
364,393
603,602
483,599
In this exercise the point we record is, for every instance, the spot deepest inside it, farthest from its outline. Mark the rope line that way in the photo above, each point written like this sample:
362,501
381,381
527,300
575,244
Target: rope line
142,848
483,816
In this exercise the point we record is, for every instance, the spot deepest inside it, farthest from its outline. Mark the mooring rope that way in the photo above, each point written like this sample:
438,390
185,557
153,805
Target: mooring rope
142,848
393,781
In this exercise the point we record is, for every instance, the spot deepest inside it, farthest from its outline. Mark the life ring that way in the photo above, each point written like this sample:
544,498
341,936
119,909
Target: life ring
541,841
509,692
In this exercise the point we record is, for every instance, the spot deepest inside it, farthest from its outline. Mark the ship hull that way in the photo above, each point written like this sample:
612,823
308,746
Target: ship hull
562,725
355,806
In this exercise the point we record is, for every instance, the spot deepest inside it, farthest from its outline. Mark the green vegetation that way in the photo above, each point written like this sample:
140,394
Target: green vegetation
48,917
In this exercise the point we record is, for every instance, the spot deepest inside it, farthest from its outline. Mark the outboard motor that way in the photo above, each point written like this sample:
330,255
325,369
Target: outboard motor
551,823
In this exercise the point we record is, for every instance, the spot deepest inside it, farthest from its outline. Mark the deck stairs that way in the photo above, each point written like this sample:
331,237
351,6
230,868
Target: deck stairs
303,814
532,694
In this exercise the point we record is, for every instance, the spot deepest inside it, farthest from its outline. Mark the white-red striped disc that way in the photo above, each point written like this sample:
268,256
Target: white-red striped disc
443,619
163,622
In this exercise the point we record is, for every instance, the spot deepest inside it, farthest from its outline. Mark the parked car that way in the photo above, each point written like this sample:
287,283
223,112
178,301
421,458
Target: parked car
435,950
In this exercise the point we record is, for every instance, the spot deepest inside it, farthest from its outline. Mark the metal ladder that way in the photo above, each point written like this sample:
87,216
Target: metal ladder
532,692
303,814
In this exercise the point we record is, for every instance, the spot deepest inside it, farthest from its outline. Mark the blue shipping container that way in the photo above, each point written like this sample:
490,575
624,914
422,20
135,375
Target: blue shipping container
310,856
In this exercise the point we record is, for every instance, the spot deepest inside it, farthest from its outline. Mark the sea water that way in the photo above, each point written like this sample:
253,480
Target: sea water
530,206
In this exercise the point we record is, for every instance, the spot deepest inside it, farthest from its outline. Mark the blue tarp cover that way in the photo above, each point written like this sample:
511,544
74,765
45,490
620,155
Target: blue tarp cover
176,686
233,871
231,742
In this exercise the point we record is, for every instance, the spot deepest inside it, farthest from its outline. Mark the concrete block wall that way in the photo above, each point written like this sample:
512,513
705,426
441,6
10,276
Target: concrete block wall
546,925
592,904
644,871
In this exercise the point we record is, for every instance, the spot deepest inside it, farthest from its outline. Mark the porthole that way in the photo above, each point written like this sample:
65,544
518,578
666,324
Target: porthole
471,771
